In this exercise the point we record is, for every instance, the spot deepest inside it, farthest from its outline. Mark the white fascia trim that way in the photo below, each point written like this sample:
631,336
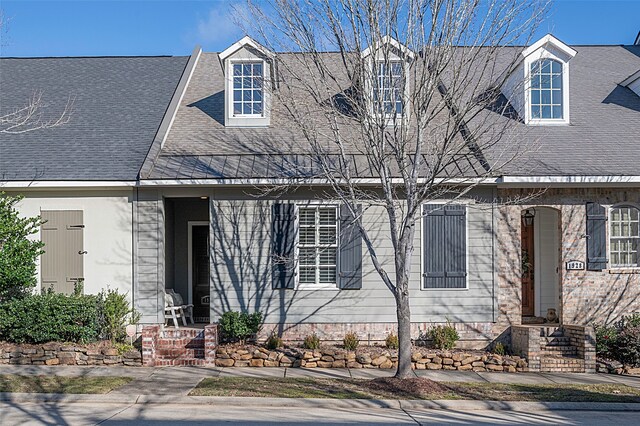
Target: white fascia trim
299,182
244,41
569,179
66,184
197,52
549,39
393,42
633,77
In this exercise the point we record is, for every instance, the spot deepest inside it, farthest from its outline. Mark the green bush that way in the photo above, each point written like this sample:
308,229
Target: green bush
606,340
443,336
391,342
620,341
239,325
273,342
499,349
351,341
49,317
18,253
312,342
114,314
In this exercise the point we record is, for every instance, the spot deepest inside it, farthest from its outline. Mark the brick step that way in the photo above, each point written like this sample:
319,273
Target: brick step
179,353
559,350
555,340
180,362
180,343
182,333
555,364
551,332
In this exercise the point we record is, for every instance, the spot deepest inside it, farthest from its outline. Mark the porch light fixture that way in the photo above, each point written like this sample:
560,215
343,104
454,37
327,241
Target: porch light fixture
204,198
527,217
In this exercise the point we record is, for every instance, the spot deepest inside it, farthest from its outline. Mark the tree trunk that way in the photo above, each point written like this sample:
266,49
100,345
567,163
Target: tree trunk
403,313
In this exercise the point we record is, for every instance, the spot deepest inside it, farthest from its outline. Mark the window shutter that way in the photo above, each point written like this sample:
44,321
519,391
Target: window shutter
444,246
596,237
350,275
283,239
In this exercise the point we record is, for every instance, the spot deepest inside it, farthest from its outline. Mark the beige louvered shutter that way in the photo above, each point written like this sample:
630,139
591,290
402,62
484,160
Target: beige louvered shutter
62,262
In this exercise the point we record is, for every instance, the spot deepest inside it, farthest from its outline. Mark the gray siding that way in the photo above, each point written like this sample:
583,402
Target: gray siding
240,280
149,258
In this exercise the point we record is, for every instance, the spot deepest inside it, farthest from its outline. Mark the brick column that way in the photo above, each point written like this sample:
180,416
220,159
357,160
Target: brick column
584,340
525,341
150,334
210,343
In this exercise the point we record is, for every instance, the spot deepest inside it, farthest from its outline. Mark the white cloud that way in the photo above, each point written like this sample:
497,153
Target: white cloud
219,28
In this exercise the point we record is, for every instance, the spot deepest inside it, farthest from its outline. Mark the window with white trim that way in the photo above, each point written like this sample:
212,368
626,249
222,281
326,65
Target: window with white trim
624,236
317,245
389,87
248,93
546,90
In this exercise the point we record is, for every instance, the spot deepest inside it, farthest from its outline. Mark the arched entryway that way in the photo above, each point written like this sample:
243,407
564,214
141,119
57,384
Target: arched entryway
540,263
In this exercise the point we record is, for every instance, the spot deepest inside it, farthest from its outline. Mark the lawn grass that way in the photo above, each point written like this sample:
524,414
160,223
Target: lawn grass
54,384
415,389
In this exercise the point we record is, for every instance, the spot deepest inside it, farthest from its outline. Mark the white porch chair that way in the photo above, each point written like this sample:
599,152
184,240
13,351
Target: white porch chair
173,312
187,308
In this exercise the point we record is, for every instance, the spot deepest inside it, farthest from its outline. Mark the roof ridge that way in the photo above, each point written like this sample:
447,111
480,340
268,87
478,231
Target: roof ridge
94,57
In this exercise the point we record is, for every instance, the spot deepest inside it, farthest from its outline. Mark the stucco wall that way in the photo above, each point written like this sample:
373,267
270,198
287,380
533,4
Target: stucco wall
107,233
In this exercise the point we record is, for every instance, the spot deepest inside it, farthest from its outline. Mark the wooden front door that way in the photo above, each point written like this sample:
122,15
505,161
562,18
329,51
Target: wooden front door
528,295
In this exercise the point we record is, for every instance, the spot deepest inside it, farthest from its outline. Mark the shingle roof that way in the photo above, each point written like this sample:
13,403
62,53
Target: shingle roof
603,138
119,103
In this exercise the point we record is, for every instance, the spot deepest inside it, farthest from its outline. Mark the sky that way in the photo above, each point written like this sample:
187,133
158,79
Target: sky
151,27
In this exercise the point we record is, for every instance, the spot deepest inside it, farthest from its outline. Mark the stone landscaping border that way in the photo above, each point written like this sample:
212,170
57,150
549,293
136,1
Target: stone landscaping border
422,359
67,354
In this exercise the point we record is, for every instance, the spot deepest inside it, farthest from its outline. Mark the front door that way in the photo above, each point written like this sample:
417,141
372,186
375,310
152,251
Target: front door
528,295
200,275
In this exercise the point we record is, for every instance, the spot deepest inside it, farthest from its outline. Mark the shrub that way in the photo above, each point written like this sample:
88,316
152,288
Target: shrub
114,314
351,341
500,349
312,341
273,342
49,317
239,325
606,338
391,342
18,253
627,347
443,336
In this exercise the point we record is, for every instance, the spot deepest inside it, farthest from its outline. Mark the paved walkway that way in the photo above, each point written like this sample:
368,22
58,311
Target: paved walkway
181,380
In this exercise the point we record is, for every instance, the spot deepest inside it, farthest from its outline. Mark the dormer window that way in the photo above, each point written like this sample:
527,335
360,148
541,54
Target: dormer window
388,90
546,90
248,69
248,93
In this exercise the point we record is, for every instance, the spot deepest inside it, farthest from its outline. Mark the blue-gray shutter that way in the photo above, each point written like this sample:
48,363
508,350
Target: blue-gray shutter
283,243
596,237
350,255
444,246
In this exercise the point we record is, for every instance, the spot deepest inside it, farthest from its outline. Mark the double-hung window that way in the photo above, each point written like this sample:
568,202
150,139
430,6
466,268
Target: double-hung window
624,237
389,87
248,89
546,90
318,245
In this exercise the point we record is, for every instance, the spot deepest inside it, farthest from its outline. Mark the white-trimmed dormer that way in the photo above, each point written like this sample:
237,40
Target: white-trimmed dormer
538,85
546,82
248,70
632,82
387,64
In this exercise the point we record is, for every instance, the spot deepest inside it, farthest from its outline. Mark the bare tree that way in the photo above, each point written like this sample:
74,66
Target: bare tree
33,114
399,103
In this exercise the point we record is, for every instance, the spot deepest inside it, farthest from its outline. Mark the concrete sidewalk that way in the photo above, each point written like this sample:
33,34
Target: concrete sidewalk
181,380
